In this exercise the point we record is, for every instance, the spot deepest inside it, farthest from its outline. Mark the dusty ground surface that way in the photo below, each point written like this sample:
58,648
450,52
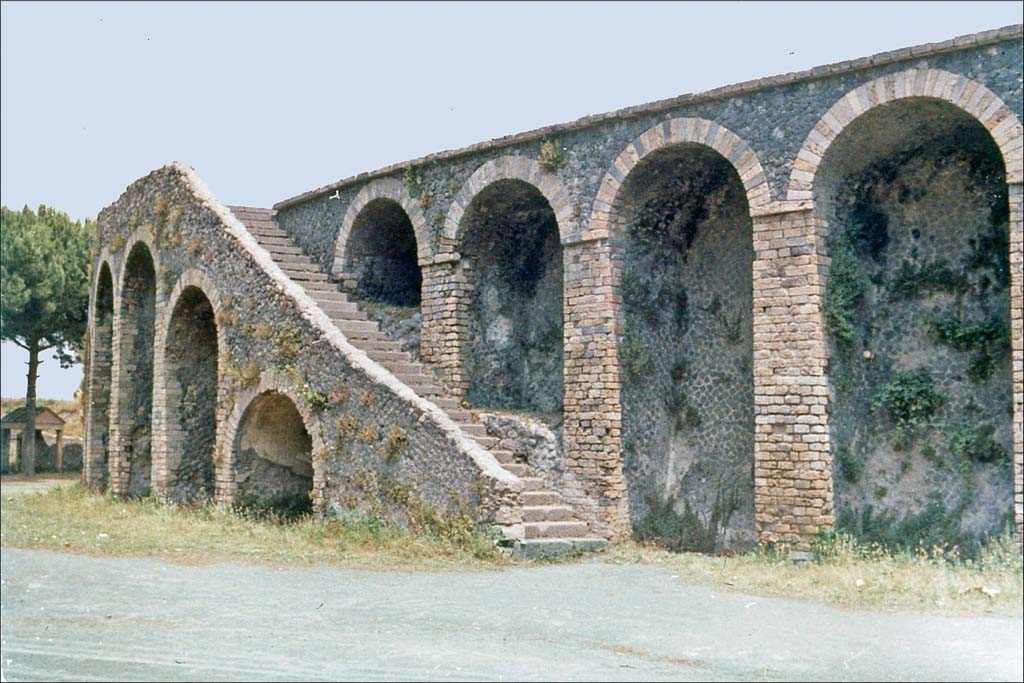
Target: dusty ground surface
76,617
15,484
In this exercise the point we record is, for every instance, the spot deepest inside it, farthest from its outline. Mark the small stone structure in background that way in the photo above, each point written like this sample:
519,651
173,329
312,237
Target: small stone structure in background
52,455
745,316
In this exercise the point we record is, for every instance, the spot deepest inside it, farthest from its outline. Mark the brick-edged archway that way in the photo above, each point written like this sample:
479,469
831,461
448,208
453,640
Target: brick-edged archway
446,285
101,333
186,389
392,189
594,279
679,131
138,291
931,87
967,94
232,487
509,168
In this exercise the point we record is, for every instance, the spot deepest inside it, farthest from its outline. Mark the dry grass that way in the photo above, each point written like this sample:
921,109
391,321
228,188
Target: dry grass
855,577
68,518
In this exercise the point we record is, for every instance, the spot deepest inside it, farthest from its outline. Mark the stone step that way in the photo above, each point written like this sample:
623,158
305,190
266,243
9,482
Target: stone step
486,441
429,391
346,309
445,402
274,243
388,356
458,415
554,529
517,469
300,264
293,260
554,548
383,344
473,428
503,457
324,295
416,380
304,276
402,367
541,497
260,231
532,483
547,513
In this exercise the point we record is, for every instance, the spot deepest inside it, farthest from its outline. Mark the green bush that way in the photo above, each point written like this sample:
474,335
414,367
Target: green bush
909,400
975,442
847,284
850,466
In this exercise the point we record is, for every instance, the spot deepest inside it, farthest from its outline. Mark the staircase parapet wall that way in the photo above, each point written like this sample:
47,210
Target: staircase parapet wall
380,442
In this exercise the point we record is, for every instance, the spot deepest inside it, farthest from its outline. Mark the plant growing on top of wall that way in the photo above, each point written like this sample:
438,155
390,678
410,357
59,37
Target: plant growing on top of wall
413,180
909,400
552,156
847,284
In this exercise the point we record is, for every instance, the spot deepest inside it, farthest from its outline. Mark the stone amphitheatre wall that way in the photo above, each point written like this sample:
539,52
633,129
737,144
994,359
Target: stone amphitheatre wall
733,308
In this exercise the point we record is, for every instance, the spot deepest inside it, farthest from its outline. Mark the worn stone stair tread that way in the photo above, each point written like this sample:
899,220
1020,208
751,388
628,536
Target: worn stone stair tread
541,497
516,468
554,529
547,513
553,548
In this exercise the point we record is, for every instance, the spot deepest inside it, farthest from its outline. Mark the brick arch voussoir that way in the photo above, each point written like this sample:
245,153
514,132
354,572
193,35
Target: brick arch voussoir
964,93
688,130
512,167
383,188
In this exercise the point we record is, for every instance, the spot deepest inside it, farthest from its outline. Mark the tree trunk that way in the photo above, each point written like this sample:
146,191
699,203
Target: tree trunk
28,454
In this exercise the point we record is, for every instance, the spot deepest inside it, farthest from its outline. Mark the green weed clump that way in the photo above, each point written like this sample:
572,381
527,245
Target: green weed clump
909,400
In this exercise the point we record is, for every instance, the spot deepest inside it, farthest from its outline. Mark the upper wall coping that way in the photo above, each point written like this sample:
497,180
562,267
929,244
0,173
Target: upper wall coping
893,56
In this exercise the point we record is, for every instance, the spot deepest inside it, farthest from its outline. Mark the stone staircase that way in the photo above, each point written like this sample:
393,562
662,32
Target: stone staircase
550,527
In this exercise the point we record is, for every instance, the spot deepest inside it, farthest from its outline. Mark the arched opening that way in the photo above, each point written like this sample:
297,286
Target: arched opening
684,238
381,262
382,271
190,363
135,380
512,262
913,195
274,457
99,389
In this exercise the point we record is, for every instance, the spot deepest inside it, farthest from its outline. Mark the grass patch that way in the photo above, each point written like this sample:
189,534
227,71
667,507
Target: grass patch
852,575
69,518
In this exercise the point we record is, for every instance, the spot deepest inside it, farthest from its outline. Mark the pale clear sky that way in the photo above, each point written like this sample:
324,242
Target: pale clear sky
267,100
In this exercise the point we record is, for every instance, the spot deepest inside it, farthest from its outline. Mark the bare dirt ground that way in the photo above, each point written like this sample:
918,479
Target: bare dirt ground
73,617
15,484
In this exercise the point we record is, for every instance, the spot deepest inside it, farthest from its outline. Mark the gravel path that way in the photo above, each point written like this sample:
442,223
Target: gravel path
75,617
